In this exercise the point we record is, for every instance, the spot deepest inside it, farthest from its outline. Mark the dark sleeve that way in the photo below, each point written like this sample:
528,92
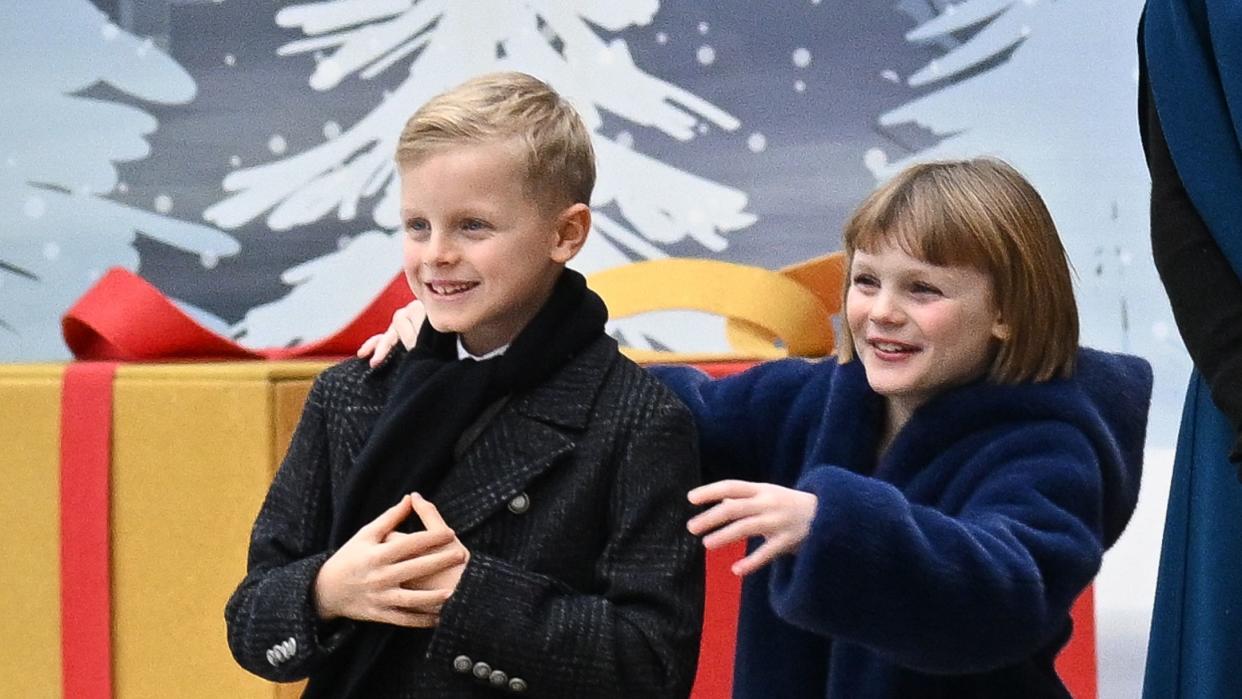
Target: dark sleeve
273,628
1204,291
747,422
640,636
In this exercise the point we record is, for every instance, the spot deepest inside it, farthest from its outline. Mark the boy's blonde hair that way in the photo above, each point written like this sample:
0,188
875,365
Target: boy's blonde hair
981,213
559,159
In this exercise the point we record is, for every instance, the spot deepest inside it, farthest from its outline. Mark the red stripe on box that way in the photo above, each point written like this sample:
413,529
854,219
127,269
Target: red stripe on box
85,589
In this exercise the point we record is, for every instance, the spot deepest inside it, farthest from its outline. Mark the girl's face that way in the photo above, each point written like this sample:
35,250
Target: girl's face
919,328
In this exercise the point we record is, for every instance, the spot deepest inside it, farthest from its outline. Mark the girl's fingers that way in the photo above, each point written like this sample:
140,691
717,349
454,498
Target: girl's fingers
427,564
737,531
720,515
713,492
427,513
757,559
368,347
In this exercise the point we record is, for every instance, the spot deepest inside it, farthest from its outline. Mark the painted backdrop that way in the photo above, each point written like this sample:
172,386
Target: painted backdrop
237,153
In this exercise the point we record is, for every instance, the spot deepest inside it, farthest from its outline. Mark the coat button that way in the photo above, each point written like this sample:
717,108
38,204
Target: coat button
519,504
482,670
462,664
498,678
517,684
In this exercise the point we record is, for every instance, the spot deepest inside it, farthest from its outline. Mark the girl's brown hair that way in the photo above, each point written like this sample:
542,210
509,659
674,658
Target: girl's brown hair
980,213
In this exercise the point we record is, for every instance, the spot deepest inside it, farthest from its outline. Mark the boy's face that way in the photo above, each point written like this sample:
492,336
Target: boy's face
919,328
479,251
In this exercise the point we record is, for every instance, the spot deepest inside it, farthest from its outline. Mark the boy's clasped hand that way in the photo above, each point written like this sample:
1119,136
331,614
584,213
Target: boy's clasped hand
384,575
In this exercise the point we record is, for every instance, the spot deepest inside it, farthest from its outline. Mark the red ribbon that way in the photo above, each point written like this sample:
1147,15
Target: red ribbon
85,594
123,318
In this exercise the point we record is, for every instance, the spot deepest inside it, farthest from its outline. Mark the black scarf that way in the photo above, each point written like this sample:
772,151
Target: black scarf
433,399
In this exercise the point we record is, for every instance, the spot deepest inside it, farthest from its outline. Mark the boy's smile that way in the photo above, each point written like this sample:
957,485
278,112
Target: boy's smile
919,328
479,250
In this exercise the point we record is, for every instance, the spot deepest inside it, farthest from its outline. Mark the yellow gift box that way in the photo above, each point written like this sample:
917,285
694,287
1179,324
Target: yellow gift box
194,447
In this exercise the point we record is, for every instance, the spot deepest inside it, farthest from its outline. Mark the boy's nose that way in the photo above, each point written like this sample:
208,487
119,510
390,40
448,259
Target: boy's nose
438,251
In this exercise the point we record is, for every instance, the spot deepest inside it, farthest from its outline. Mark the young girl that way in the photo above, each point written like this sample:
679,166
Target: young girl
925,508
932,502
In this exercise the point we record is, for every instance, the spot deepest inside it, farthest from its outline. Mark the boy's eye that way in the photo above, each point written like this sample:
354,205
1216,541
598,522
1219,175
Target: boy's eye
473,224
924,288
418,228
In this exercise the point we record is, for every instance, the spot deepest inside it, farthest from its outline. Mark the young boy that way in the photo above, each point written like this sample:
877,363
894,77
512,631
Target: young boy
554,560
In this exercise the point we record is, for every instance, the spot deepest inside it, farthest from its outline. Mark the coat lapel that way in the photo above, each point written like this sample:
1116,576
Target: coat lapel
531,434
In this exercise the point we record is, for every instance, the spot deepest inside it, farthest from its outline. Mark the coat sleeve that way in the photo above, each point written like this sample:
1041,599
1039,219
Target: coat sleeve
273,628
639,638
970,590
749,421
1204,292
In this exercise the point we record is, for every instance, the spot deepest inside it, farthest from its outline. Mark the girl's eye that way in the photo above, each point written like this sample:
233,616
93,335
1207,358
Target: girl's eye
865,281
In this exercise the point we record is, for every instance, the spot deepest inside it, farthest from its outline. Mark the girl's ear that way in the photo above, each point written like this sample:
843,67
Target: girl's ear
1000,329
572,226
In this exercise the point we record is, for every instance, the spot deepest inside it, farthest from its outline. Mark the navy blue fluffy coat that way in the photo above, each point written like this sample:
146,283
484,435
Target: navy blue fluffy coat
947,567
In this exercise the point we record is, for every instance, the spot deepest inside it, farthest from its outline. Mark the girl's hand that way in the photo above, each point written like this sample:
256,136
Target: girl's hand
742,509
364,579
406,322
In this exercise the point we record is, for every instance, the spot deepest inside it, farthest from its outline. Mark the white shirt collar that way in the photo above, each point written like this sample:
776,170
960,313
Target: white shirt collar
463,353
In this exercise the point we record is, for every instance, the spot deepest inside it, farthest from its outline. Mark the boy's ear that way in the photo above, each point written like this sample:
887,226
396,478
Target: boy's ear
572,226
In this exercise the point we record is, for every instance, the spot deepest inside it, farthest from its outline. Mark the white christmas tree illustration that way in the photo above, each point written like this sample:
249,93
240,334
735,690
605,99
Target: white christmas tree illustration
1050,113
58,152
446,42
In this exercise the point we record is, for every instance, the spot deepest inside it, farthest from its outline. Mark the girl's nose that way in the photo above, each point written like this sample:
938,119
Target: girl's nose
886,310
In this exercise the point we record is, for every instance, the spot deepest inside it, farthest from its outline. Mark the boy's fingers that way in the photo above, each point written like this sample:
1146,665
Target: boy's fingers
721,490
427,564
404,547
421,601
388,520
413,620
427,513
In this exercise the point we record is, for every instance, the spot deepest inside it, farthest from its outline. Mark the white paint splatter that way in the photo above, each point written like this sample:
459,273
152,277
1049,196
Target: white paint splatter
799,86
703,28
163,203
208,259
230,59
801,57
331,130
706,55
625,139
277,144
756,142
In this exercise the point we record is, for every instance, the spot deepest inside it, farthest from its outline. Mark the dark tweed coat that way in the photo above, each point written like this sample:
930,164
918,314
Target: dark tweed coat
582,581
